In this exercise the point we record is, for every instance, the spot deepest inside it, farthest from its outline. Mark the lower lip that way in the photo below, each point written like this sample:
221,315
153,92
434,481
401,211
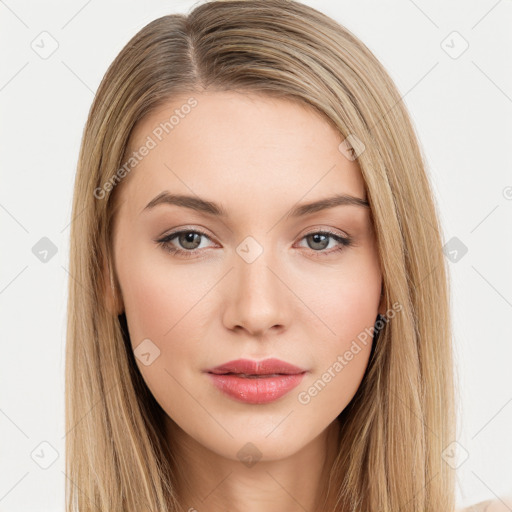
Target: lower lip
259,390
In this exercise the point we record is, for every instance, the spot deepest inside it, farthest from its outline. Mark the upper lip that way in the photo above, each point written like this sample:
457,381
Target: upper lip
250,367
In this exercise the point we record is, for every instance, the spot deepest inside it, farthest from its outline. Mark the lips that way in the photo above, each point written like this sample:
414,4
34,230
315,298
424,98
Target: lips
249,368
256,382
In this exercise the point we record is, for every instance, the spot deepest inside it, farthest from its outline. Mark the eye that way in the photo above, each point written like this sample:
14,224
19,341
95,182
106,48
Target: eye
189,240
318,241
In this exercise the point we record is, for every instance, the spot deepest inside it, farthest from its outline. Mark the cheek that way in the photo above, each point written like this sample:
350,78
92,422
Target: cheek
345,304
160,298
350,307
166,306
340,362
171,305
345,298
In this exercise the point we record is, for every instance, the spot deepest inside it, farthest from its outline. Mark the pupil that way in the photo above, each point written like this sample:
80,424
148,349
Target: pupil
188,238
317,239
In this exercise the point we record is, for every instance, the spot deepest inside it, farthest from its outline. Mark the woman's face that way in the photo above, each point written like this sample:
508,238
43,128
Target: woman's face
251,273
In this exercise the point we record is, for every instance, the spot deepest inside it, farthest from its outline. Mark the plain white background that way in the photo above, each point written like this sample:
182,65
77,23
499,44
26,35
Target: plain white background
460,100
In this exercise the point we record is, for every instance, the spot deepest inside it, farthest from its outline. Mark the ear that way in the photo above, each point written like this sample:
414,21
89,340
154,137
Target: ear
111,293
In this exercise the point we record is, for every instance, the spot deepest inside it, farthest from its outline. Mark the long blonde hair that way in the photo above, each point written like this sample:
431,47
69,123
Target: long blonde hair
402,417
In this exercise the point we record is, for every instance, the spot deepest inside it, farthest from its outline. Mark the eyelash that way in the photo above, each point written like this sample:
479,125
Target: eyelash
164,243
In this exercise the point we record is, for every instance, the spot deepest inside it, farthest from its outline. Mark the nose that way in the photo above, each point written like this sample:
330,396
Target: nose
257,296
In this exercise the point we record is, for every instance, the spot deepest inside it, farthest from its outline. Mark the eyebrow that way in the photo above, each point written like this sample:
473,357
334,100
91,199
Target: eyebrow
211,208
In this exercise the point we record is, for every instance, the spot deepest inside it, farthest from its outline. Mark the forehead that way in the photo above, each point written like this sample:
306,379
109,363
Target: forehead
241,146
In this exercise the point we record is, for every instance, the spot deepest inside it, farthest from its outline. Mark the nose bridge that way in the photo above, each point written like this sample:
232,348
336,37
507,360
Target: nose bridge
258,300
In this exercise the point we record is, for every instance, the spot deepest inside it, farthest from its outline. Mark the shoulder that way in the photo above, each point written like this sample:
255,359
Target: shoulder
499,505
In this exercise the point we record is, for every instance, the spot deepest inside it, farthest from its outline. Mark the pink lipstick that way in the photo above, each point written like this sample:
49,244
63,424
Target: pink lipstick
256,382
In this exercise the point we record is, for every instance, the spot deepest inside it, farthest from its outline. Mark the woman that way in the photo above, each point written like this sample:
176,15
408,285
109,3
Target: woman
259,312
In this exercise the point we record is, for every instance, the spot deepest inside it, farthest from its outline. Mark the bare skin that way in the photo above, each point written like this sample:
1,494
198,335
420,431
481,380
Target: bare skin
300,300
